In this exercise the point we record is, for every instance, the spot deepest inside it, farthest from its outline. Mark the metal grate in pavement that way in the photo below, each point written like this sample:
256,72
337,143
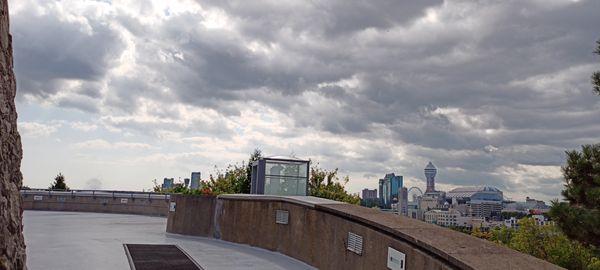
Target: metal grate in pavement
158,257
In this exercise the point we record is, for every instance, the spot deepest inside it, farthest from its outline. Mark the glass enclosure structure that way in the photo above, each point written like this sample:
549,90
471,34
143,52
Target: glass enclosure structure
285,176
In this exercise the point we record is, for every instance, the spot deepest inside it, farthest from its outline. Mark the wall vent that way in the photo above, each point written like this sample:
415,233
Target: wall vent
282,217
355,243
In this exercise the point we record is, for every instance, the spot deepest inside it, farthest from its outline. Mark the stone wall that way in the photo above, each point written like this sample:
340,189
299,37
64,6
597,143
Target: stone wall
12,246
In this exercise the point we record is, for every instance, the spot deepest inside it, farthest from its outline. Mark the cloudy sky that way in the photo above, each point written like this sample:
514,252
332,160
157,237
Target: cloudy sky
115,94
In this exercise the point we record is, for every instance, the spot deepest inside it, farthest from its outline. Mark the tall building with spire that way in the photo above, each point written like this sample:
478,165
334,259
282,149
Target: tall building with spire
430,172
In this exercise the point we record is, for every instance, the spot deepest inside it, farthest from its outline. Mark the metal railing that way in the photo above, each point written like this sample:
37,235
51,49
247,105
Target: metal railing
96,193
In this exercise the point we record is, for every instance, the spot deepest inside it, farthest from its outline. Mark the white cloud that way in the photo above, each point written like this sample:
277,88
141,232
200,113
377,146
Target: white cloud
84,126
100,144
35,129
523,173
533,180
558,84
476,87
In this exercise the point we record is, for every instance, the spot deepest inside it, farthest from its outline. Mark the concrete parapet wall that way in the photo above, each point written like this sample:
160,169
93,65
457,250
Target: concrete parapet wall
193,215
101,204
317,233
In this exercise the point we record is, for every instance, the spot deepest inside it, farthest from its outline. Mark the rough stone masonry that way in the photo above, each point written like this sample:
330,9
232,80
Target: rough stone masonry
12,245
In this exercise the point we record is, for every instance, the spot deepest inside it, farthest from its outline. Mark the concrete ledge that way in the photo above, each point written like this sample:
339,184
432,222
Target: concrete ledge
461,250
308,201
102,203
317,233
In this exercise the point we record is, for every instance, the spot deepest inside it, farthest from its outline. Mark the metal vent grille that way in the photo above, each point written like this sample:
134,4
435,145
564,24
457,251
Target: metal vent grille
158,257
282,217
355,243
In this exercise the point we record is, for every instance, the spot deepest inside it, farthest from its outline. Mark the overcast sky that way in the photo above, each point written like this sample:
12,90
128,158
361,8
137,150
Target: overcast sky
114,94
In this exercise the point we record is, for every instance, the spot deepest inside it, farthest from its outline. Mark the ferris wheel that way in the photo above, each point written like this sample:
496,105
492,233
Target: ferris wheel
413,193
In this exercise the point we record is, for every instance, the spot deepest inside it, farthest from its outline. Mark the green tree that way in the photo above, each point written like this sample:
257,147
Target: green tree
547,242
181,188
579,217
477,232
236,179
596,75
232,180
59,183
326,184
502,235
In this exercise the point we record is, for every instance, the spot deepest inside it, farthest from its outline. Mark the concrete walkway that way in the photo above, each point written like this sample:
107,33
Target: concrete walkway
71,240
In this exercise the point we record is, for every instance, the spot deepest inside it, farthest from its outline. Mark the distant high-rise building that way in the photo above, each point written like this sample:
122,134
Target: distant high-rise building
168,183
388,190
195,182
403,201
186,182
368,194
430,172
369,198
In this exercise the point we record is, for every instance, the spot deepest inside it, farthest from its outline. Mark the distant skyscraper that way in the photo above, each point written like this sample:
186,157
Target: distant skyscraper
430,172
168,183
186,182
368,194
388,189
369,198
403,202
195,183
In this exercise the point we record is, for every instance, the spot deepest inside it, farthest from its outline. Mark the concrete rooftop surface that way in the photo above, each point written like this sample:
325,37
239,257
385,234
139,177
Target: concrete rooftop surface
75,240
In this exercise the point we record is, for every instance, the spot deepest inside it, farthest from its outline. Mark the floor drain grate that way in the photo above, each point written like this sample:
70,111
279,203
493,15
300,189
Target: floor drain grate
151,257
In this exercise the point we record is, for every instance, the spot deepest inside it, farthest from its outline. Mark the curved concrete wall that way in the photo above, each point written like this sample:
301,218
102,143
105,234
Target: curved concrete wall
138,204
193,215
317,233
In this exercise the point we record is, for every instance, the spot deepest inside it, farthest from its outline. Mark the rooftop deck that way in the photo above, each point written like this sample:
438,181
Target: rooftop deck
71,240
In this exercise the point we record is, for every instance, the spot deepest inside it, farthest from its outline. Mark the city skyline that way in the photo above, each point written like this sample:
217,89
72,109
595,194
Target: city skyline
153,89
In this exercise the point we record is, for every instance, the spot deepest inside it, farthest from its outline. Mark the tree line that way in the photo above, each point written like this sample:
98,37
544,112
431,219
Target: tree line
236,179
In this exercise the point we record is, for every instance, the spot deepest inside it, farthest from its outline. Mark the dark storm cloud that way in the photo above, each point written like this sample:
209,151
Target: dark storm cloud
49,49
324,18
477,87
